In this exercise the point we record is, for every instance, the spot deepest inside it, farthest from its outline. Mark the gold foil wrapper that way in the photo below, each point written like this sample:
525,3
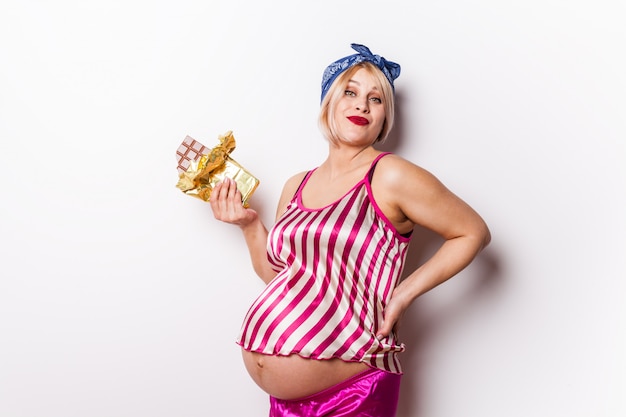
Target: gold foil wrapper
201,169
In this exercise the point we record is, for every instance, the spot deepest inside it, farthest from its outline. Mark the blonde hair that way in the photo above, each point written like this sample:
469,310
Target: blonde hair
336,90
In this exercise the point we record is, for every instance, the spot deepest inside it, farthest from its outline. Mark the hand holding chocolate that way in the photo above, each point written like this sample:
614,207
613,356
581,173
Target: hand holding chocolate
201,168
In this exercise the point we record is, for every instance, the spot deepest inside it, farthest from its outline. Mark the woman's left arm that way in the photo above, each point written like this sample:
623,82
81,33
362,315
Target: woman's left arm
413,196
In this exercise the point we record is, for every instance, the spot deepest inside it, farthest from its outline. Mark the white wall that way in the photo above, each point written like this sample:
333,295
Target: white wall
120,296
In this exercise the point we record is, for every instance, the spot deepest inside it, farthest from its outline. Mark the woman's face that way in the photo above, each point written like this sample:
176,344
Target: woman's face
360,113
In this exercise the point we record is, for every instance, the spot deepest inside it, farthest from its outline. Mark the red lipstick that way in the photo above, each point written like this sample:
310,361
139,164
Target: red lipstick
357,120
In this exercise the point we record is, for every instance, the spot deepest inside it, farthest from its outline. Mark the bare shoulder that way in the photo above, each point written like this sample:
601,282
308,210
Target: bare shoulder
292,184
295,181
411,195
407,193
289,189
397,173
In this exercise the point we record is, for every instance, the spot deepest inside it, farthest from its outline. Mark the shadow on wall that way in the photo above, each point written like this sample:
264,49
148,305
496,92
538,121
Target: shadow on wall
417,329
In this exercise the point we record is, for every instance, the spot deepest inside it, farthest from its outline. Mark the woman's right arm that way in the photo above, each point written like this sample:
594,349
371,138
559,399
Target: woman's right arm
227,207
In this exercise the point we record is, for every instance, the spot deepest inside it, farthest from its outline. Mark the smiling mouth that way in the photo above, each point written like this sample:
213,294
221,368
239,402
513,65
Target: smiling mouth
361,121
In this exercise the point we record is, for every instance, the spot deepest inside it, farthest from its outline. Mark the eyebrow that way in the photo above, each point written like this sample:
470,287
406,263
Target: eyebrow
358,83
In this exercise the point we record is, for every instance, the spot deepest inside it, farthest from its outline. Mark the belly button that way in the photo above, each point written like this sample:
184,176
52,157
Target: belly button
260,363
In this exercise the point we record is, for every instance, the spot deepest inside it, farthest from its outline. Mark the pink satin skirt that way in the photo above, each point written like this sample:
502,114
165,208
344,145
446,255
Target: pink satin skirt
373,393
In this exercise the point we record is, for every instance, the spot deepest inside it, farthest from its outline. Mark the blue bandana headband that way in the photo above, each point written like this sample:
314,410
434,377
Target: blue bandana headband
390,69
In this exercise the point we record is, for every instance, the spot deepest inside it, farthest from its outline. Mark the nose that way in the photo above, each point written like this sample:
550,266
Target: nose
363,106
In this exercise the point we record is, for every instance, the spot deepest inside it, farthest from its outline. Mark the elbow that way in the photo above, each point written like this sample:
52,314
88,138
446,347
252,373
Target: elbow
479,236
485,235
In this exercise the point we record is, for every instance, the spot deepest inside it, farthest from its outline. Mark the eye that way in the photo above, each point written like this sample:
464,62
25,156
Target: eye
376,100
349,93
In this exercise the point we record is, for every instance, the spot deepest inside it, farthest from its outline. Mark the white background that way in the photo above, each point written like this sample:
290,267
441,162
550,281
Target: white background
120,296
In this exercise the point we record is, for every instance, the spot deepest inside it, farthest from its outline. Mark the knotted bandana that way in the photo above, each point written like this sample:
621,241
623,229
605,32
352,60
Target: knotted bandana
390,69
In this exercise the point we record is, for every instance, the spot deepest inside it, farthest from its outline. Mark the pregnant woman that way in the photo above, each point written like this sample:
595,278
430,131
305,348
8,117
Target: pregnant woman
320,339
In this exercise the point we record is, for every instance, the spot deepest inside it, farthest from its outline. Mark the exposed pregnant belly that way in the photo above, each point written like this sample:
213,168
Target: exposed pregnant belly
291,377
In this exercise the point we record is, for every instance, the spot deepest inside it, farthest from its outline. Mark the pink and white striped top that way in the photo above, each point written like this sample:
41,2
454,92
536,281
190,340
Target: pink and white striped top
337,267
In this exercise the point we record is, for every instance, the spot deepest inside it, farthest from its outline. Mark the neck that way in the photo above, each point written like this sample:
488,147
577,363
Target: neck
343,160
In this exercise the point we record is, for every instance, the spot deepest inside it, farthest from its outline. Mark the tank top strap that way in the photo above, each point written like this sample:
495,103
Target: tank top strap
370,173
302,183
